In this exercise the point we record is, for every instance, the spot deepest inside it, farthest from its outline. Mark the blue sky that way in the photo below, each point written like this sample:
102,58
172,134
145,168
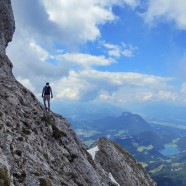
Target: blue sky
111,51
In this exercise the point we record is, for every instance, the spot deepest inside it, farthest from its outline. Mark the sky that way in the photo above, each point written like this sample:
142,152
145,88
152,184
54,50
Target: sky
122,52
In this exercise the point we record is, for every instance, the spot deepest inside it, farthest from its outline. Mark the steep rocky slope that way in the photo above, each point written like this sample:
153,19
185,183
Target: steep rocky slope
120,164
38,147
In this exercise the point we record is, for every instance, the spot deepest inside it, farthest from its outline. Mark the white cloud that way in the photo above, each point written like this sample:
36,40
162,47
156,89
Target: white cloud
127,53
39,51
183,92
32,62
86,60
27,83
166,95
171,10
113,50
116,51
183,88
71,74
91,85
161,95
78,20
34,65
32,51
72,77
131,3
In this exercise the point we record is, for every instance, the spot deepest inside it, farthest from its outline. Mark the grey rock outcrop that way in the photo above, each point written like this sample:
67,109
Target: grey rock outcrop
121,165
7,24
37,148
7,28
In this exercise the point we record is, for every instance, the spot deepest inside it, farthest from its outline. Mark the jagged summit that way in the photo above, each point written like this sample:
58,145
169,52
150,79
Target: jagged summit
38,148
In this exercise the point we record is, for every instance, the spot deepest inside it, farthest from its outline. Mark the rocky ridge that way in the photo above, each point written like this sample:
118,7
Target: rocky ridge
120,164
39,148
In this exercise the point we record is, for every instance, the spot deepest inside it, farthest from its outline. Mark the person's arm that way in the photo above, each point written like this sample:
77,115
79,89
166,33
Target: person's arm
51,92
43,91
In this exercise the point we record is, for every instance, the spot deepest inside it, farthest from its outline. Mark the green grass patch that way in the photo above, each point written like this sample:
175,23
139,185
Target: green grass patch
57,133
45,182
122,150
1,114
4,179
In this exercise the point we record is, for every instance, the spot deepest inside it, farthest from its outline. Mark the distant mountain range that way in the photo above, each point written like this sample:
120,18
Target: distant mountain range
163,114
145,141
128,122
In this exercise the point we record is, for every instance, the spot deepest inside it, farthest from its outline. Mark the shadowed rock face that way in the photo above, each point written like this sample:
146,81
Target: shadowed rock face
7,24
7,28
37,147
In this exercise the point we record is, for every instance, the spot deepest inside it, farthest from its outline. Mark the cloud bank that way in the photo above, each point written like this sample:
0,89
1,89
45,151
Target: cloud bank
47,47
166,10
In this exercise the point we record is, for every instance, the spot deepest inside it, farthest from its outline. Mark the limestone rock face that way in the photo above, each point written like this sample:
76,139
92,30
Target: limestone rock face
7,28
38,148
121,165
7,25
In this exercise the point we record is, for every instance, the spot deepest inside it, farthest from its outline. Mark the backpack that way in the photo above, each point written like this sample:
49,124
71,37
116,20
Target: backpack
47,90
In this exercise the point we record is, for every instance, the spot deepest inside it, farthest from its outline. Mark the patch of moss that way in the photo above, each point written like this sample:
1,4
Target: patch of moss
45,182
20,177
4,179
17,125
24,135
26,131
1,126
1,114
46,156
34,98
38,173
74,177
35,130
140,165
57,133
47,119
123,151
25,115
25,90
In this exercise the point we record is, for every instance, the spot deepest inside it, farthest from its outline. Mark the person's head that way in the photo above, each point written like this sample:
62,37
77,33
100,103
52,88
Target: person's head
47,83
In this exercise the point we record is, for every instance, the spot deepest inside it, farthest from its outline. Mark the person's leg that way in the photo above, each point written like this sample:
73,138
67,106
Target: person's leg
44,100
48,101
49,105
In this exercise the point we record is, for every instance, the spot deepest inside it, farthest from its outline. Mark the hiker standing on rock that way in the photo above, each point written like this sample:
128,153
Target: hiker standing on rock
47,91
